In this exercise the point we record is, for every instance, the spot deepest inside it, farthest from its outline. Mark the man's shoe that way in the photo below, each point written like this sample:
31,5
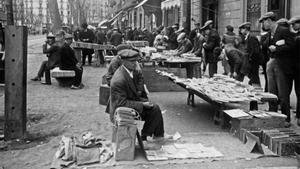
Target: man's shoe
45,83
166,137
36,79
75,87
151,146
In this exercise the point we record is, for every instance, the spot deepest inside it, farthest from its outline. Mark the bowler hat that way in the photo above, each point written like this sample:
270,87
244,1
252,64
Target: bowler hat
50,35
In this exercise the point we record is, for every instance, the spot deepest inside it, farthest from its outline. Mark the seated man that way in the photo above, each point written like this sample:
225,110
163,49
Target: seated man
51,48
123,93
138,77
185,45
68,61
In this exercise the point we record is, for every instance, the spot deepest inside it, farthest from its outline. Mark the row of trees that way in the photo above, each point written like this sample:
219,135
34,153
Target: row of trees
78,9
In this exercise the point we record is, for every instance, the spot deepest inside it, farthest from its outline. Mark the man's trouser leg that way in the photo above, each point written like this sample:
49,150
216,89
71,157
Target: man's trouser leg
154,124
47,75
101,57
253,75
272,83
264,66
284,84
78,76
212,69
42,69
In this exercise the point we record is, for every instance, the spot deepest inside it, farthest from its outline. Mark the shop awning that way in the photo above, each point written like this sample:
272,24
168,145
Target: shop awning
141,3
170,3
118,14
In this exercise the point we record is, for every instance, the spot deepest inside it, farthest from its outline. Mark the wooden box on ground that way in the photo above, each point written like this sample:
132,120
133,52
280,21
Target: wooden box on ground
104,93
158,83
259,123
125,142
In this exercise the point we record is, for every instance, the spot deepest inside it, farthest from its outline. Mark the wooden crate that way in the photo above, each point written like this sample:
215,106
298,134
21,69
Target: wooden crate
125,142
104,93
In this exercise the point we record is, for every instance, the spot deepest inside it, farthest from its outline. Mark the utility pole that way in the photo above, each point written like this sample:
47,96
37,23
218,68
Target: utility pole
10,12
15,77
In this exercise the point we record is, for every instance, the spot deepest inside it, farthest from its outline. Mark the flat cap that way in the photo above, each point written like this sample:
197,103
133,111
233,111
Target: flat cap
282,21
68,36
123,46
181,36
244,25
295,19
206,24
267,16
175,25
129,54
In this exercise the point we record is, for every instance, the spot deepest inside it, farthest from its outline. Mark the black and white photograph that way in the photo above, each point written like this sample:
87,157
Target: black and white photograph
149,84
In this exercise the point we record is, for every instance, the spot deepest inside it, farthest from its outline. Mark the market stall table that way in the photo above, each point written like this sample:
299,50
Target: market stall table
222,92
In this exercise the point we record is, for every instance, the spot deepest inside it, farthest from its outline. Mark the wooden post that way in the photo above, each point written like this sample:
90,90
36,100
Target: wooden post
15,82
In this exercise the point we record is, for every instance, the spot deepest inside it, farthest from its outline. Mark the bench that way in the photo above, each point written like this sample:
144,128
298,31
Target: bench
63,77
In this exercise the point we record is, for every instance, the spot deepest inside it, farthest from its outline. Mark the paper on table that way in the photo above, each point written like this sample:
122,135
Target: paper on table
236,113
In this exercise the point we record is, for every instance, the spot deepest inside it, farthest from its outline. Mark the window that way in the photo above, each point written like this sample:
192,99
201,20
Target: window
280,8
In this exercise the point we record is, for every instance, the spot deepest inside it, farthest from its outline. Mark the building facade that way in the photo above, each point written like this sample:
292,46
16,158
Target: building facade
177,12
235,12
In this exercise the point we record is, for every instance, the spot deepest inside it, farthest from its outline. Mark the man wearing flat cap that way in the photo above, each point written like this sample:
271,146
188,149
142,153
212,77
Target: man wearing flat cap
253,53
295,23
68,61
212,42
194,32
281,66
116,62
123,93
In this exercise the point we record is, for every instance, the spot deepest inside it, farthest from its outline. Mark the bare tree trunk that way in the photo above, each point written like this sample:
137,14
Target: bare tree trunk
54,15
10,13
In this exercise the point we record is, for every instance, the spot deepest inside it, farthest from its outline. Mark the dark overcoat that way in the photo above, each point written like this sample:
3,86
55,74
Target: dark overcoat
123,92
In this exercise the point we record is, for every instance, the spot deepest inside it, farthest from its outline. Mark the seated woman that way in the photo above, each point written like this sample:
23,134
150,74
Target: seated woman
68,61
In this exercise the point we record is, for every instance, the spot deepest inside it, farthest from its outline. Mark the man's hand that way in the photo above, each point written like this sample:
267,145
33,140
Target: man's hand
78,65
148,105
272,48
234,74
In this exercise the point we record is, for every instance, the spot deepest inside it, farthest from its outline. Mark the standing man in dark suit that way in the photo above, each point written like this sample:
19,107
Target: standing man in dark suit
124,94
100,39
52,51
86,35
115,39
281,66
68,61
212,42
295,22
252,52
